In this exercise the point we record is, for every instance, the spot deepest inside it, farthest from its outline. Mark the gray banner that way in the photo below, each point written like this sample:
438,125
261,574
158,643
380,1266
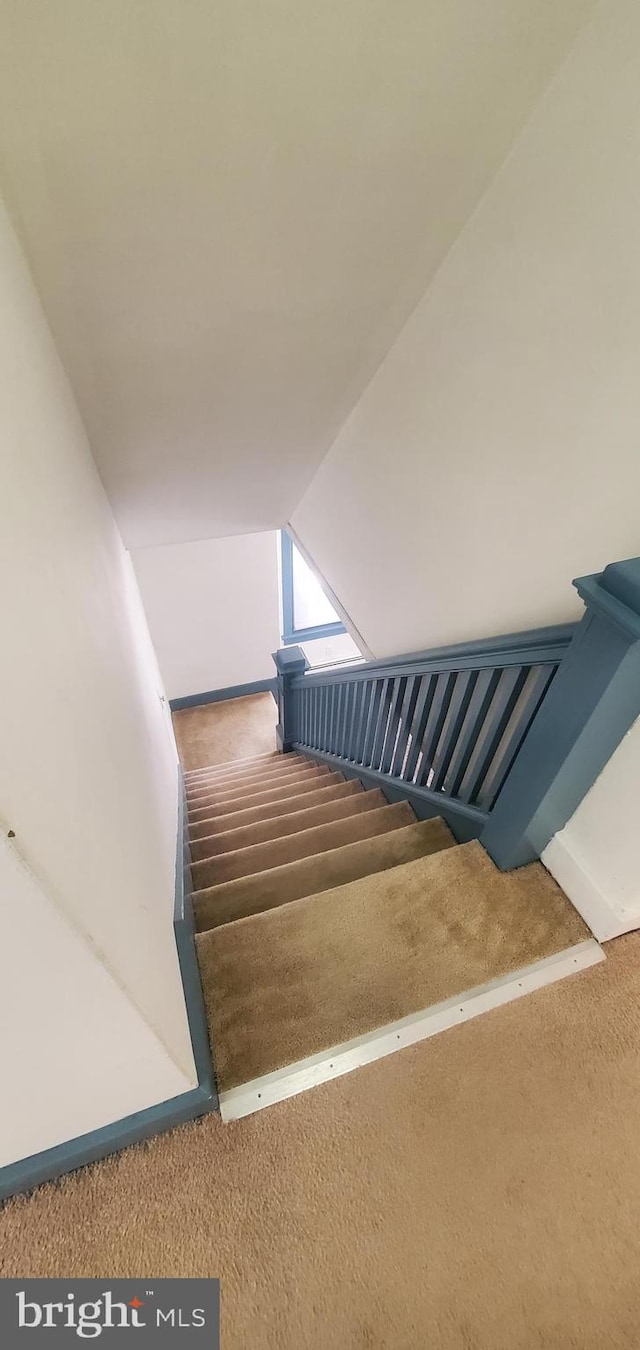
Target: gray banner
141,1312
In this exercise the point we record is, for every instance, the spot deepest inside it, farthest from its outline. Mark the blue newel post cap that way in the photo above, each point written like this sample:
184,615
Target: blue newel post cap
290,661
622,579
615,593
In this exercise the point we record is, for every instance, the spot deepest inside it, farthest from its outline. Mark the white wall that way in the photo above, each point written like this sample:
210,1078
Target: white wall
596,857
213,610
74,1052
230,214
494,455
88,771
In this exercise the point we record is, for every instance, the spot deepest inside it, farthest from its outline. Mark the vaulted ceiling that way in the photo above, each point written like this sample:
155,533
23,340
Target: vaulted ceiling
231,206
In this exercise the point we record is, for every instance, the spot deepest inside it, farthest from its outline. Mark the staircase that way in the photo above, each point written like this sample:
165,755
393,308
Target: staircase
334,927
280,828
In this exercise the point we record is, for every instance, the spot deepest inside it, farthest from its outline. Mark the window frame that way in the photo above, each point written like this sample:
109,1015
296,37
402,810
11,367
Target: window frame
290,634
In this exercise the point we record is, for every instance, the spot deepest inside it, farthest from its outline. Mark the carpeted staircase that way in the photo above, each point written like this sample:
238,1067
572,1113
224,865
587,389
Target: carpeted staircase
324,914
282,828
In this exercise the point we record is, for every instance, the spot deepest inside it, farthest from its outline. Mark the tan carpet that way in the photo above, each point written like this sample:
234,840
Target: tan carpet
315,781
257,883
255,859
216,733
480,1191
251,815
305,977
238,767
277,827
214,792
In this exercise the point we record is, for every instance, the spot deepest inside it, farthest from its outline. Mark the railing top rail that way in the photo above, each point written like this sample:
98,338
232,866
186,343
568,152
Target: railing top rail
536,646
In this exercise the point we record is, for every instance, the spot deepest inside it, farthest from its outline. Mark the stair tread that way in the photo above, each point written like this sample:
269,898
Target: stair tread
233,819
312,874
228,765
231,781
285,792
276,827
307,976
303,844
217,782
255,786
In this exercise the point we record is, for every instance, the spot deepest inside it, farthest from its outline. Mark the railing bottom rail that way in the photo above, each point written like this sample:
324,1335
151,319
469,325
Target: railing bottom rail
465,822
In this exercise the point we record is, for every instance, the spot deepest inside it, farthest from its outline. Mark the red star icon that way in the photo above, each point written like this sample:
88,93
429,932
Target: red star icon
135,1302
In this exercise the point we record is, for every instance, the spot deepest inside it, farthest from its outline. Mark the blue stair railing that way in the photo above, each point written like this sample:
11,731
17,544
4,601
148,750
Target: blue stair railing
440,729
502,737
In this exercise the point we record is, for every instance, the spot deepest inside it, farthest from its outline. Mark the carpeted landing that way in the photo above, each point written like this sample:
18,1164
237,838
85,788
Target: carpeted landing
324,913
215,733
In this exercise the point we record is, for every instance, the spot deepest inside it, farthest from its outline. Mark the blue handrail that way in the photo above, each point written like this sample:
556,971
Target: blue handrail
538,644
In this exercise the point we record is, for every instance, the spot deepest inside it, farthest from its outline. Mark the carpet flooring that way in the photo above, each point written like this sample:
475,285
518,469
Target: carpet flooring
253,815
305,977
258,858
269,878
292,823
479,1191
216,733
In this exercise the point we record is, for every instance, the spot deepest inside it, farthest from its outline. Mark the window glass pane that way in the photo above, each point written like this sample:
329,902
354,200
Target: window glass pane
310,604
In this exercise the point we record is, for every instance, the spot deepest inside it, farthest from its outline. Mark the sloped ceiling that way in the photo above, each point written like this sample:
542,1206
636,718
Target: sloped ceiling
231,206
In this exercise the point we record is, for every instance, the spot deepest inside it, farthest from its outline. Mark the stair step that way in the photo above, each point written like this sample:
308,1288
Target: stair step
266,798
237,765
250,814
227,841
309,976
284,764
254,786
310,875
288,769
243,862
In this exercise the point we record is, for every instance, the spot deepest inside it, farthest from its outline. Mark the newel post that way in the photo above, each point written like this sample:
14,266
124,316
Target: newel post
592,703
290,662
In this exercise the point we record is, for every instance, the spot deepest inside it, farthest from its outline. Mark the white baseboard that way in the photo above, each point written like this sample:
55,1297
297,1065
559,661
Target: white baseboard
333,1063
605,920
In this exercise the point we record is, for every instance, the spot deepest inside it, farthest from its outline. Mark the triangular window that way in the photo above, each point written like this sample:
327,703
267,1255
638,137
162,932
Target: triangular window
307,612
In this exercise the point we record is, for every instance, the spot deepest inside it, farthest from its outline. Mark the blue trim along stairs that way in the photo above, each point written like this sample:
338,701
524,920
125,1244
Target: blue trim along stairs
88,1148
465,822
223,695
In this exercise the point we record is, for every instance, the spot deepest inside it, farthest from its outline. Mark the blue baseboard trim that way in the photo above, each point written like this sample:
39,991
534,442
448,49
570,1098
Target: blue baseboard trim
30,1172
184,928
465,822
222,695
